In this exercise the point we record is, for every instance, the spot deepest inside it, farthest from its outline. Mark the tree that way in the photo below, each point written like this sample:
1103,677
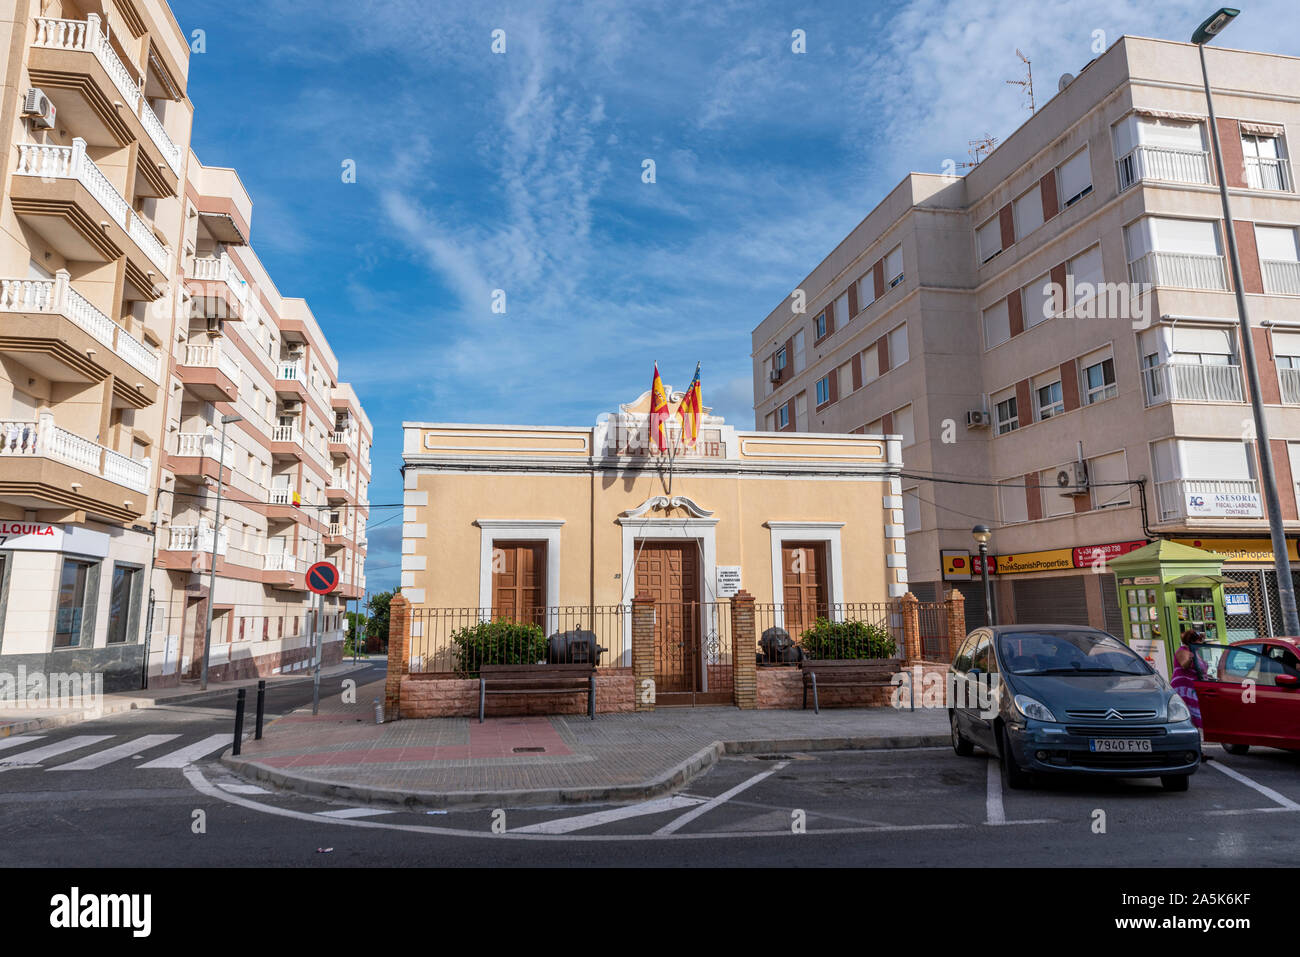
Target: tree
377,623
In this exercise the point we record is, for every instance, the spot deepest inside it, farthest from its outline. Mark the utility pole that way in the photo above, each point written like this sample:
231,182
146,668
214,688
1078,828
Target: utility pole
216,536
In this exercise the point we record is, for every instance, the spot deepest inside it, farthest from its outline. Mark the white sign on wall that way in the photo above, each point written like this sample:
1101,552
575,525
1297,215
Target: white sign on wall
44,537
728,580
1153,651
1224,504
1236,603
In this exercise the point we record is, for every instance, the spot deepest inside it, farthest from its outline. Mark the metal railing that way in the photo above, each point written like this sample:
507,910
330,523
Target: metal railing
1172,496
1163,163
1281,277
791,631
1268,172
1180,270
1192,382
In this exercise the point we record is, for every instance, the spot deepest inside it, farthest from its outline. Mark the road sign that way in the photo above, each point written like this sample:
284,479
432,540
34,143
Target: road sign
322,578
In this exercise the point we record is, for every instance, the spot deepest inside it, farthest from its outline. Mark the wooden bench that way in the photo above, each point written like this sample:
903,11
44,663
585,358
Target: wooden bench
848,673
537,679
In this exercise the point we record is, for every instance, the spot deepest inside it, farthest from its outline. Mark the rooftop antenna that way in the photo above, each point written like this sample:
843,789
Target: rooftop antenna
1027,84
979,149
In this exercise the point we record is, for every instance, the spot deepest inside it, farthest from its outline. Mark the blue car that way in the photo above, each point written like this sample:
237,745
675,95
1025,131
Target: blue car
1066,699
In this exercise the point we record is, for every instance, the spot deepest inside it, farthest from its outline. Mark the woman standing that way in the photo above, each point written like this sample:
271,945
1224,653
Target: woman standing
1187,669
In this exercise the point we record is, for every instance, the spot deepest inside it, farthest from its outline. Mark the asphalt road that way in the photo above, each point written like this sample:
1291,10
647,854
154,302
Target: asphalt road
80,797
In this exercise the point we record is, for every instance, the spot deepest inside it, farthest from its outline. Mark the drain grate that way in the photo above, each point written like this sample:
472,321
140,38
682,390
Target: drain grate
773,757
528,750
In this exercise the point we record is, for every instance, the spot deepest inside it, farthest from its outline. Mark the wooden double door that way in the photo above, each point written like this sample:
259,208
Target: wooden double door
803,581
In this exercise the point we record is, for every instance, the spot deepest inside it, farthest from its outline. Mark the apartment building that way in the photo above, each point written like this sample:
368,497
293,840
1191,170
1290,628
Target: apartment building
1059,327
133,316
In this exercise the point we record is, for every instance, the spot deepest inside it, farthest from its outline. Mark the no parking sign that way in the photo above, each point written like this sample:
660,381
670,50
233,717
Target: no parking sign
322,578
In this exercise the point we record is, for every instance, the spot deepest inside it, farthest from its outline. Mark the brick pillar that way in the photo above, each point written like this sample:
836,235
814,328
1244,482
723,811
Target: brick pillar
744,651
955,611
643,651
911,627
399,661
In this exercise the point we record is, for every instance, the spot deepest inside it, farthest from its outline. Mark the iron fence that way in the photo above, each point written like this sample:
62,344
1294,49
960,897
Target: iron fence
791,631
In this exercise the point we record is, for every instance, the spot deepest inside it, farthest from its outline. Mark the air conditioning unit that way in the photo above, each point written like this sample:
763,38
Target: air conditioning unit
1073,479
291,405
977,419
38,108
774,375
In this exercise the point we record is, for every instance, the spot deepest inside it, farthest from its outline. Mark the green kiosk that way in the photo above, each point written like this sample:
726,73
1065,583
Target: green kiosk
1164,589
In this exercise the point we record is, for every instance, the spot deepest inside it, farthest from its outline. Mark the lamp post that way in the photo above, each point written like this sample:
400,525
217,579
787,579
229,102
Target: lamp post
1267,480
216,535
982,535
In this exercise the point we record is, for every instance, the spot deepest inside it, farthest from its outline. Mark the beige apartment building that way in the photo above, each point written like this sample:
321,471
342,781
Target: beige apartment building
134,316
1059,322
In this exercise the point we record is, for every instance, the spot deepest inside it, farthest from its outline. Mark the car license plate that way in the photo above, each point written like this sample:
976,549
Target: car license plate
1120,745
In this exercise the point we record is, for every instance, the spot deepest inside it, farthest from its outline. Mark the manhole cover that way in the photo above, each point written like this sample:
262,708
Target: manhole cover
528,750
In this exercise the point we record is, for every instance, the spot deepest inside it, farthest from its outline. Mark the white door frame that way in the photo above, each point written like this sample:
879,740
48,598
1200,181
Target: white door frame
701,530
828,532
520,529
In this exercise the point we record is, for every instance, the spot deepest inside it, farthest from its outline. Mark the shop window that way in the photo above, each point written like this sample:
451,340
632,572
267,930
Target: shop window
77,586
122,603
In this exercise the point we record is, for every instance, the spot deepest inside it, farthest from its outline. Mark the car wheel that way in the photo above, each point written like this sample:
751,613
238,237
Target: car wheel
963,747
1013,776
1176,782
1236,748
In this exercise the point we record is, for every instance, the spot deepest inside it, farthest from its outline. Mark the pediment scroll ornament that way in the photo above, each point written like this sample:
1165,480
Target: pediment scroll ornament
664,503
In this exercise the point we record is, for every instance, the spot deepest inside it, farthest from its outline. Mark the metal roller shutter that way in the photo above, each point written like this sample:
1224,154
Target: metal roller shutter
1110,605
1050,601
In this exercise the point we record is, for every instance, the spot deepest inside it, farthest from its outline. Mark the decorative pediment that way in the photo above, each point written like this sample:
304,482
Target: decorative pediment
641,405
664,503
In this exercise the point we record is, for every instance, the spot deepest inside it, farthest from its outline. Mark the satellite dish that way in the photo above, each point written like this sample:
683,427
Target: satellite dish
1065,80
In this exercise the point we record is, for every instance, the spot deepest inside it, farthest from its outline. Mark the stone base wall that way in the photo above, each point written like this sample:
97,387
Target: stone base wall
432,696
782,687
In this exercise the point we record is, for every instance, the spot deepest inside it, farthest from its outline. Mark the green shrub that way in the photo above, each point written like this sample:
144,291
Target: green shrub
847,639
499,642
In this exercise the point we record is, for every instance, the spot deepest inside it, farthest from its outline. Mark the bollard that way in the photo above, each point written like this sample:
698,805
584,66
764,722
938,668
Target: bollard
239,718
379,711
261,707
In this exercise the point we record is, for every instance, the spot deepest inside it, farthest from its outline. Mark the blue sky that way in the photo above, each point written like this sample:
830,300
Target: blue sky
522,171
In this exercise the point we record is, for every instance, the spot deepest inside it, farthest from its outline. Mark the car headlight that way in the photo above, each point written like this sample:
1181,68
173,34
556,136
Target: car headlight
1177,710
1032,708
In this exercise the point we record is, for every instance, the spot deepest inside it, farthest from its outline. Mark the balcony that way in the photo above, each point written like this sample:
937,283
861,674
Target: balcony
290,378
1268,172
194,538
47,466
195,455
286,440
282,562
216,282
343,440
1215,498
1281,277
1179,270
1192,382
41,300
210,372
87,37
338,533
1163,163
40,199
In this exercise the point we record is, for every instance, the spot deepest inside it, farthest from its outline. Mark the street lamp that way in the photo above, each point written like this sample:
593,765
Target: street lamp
1285,587
216,535
982,535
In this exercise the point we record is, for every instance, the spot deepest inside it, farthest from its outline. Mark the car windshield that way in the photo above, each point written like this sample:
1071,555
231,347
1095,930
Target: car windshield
1067,653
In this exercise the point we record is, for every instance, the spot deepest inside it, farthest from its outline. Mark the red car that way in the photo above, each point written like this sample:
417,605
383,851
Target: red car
1228,713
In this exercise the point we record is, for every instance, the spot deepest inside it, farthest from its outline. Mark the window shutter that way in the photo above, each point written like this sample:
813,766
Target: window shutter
857,371
878,274
882,351
834,385
1033,497
1069,385
1047,188
1015,314
853,301
1234,162
1024,411
1075,176
1007,223
887,423
1251,272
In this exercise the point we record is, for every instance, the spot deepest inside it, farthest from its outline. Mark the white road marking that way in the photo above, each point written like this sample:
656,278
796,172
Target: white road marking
19,739
993,809
351,812
109,755
37,755
567,825
190,753
1268,792
678,823
235,788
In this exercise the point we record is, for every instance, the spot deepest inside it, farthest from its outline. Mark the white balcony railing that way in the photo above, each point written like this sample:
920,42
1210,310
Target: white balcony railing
289,370
1289,381
281,496
281,562
204,445
338,528
1174,497
87,35
71,162
212,357
1192,382
1181,270
286,433
1281,277
220,269
42,438
1268,172
55,296
194,538
1163,163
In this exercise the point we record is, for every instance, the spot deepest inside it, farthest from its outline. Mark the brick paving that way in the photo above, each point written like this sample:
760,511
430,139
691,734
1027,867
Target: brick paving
618,756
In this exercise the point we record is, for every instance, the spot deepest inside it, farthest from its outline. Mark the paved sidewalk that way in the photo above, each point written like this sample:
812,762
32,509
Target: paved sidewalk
445,762
15,720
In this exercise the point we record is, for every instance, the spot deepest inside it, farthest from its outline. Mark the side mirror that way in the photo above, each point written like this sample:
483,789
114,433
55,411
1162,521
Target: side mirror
1286,680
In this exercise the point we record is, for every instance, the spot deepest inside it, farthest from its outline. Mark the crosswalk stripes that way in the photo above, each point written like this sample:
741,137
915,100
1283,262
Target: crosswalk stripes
191,753
37,755
109,755
18,739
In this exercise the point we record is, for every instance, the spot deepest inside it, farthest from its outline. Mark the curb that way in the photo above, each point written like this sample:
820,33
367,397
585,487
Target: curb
138,704
667,782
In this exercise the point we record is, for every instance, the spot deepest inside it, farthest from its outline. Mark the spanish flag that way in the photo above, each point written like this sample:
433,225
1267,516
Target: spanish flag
297,499
690,409
658,412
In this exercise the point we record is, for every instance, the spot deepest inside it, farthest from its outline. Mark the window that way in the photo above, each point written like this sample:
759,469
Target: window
1083,277
1266,166
842,310
76,587
1104,469
820,324
1028,211
783,416
1050,401
988,239
1055,503
844,378
800,410
894,267
1191,345
997,324
1279,259
870,364
866,291
1005,414
769,422
1074,178
897,346
1098,378
798,352
874,428
1149,147
823,390
779,362
1039,301
1286,351
1012,505
911,510
904,425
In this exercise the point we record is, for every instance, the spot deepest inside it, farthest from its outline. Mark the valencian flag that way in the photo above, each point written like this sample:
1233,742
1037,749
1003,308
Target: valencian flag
658,412
690,409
